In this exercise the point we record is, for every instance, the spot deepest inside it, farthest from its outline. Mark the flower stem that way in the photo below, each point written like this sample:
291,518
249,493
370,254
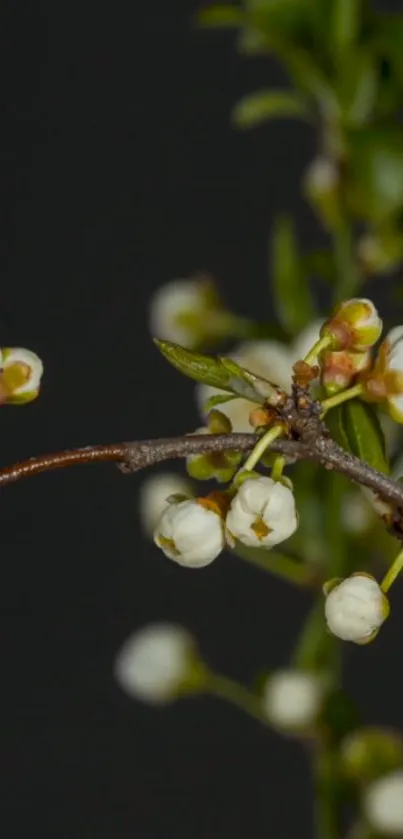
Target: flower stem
393,572
224,688
277,468
317,348
261,447
344,396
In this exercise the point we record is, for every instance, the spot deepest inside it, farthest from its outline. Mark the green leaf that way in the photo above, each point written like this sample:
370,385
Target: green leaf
222,373
357,88
345,24
285,567
355,426
292,299
218,399
376,172
267,104
220,17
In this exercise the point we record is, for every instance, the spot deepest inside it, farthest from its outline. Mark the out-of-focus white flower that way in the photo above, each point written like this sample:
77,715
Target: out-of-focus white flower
272,360
292,699
383,804
20,375
356,513
186,312
191,532
262,513
154,494
154,663
355,326
355,608
394,362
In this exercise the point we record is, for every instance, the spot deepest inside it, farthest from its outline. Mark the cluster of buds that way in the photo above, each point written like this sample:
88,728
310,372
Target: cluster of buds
355,608
352,331
20,375
194,531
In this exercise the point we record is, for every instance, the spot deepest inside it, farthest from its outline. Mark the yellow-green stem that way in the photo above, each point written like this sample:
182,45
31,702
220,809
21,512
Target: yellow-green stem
338,398
261,447
317,348
277,468
238,695
393,572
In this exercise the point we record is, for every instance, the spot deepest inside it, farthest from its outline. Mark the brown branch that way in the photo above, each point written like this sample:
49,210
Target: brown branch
132,457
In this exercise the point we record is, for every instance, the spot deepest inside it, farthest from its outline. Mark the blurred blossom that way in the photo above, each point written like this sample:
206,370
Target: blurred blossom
20,375
187,312
292,699
154,662
383,804
154,494
356,513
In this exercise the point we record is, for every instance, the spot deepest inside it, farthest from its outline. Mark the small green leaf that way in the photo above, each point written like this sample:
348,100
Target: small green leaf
222,373
220,17
292,299
218,399
267,104
355,426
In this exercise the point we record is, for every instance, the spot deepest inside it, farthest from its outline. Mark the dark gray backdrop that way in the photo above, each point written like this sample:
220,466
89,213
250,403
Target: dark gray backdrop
120,172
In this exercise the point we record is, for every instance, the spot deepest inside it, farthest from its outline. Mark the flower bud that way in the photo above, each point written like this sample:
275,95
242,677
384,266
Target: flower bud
154,497
262,513
20,375
370,752
219,466
187,312
383,804
158,663
355,608
339,368
292,699
191,532
355,326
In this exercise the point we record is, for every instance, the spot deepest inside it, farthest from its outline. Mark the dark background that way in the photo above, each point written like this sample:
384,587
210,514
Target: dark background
119,172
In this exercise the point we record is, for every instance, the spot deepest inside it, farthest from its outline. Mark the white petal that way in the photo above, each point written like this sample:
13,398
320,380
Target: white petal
154,492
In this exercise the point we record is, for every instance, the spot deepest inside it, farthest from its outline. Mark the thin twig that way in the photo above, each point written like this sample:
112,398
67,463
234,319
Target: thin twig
132,457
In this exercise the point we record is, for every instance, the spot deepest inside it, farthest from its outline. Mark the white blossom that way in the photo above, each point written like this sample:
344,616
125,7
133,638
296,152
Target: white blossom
355,608
272,360
395,362
21,373
383,804
191,532
183,310
292,698
262,513
154,494
154,662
